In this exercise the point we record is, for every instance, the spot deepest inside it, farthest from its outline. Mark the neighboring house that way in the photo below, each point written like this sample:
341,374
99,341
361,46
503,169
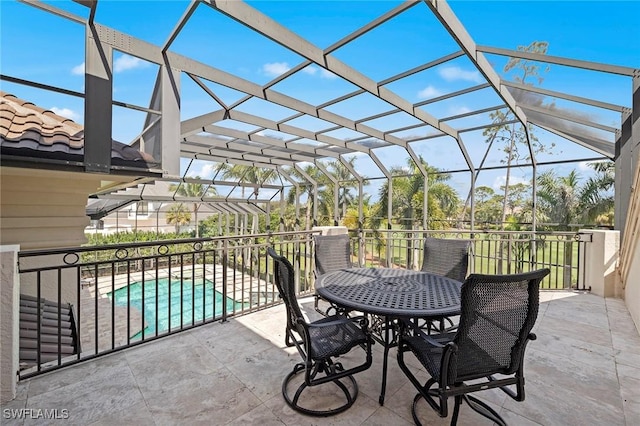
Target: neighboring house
141,215
45,179
119,213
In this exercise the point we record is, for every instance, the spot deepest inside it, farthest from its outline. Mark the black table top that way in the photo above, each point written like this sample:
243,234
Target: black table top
391,292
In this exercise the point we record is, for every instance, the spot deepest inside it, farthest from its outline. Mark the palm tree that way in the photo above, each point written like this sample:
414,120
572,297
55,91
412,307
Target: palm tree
325,188
307,190
248,174
408,198
178,215
408,195
559,197
596,196
193,190
346,183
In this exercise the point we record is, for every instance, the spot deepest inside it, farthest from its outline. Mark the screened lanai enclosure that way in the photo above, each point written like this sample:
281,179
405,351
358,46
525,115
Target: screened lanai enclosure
221,128
320,124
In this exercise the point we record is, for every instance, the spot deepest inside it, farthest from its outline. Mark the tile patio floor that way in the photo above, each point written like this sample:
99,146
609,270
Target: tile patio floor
584,369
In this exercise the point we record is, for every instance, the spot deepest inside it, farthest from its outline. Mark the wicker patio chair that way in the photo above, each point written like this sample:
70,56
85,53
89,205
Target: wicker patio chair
331,253
319,343
449,258
498,313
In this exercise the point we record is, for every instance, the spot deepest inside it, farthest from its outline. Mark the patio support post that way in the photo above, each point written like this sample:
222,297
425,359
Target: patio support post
472,199
297,186
626,156
98,99
314,184
360,190
425,203
282,211
534,208
170,122
268,221
334,180
163,141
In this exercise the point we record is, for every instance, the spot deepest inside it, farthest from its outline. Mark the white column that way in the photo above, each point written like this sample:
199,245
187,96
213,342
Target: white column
10,321
601,258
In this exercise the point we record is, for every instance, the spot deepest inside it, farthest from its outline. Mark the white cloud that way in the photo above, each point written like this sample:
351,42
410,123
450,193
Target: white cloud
327,74
457,73
429,92
584,165
122,63
67,113
274,69
127,62
459,109
78,69
206,171
513,180
311,70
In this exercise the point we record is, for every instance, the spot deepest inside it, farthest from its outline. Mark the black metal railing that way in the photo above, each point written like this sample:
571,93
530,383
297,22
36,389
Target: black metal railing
129,294
124,295
492,252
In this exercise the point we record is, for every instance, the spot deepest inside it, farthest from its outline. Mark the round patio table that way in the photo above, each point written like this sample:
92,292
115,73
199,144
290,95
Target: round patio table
393,294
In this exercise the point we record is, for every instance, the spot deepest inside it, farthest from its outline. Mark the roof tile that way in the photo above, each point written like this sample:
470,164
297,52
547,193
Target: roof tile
28,130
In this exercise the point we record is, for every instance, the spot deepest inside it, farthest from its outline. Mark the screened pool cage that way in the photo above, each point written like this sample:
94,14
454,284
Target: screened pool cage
350,133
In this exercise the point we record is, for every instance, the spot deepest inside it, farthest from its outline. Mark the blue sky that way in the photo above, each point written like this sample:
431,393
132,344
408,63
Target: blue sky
37,46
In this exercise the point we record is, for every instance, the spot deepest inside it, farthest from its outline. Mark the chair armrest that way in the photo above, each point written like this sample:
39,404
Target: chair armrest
418,332
360,321
433,339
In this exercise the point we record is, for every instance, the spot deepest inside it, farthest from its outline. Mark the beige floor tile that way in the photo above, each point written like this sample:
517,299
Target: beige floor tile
578,372
88,400
211,399
261,415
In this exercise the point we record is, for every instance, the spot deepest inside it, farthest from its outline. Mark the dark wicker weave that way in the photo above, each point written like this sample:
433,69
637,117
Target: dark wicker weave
448,258
331,253
318,343
498,313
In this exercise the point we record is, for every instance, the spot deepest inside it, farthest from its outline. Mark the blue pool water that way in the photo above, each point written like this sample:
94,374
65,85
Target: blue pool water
198,302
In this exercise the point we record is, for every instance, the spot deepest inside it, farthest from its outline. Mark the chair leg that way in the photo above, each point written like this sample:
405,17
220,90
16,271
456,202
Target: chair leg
293,402
484,410
413,409
456,410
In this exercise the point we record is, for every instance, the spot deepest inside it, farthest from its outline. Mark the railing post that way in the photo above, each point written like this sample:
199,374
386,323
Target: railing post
389,246
509,253
361,246
567,263
225,259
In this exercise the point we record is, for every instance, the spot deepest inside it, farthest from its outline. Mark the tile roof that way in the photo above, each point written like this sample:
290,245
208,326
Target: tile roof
27,130
49,313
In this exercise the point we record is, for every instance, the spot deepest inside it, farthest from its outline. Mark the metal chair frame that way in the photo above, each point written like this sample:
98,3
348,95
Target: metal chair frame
318,343
505,304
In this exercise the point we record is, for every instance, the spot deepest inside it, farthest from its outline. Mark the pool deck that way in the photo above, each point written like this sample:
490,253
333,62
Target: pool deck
584,369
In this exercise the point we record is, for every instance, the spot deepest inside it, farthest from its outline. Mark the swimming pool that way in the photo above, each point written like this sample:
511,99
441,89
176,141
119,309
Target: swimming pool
198,302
